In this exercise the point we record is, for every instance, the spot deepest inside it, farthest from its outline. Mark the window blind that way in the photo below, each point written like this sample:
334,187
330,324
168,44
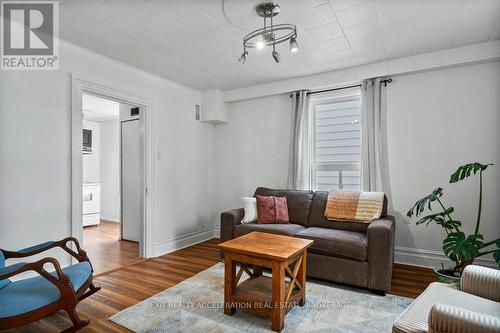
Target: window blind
336,153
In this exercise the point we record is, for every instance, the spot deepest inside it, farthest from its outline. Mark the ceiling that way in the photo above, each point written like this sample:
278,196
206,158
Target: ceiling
99,109
198,42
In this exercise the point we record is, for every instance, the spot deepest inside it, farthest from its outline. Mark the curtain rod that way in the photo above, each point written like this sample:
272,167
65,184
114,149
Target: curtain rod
347,87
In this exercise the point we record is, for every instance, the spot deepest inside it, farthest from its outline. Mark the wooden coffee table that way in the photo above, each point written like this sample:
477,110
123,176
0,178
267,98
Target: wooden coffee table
267,296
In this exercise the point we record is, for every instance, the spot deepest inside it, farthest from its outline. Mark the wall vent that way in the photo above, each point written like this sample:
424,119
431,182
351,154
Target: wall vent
134,111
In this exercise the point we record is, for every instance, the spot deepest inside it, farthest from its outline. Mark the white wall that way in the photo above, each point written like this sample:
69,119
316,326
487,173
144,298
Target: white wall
436,121
34,159
109,167
91,162
252,150
35,152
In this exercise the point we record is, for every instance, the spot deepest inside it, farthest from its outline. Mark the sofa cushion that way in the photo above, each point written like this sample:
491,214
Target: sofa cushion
299,202
280,229
340,243
415,318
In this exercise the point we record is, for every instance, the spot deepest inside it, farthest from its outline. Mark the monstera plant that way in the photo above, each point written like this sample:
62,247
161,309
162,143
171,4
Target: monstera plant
459,247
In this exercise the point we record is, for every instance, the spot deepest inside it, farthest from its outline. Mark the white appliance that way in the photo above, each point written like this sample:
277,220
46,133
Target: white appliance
91,207
131,194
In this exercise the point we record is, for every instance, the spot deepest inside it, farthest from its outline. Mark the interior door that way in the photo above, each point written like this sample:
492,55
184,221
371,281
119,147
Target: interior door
131,194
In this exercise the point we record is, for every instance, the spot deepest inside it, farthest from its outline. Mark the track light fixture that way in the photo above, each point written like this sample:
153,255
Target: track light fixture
276,56
243,57
270,35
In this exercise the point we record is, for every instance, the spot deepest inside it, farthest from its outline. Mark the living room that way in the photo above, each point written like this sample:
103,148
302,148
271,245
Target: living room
393,102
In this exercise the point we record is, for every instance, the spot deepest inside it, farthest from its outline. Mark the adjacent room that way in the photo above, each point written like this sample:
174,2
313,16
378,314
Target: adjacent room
111,180
250,166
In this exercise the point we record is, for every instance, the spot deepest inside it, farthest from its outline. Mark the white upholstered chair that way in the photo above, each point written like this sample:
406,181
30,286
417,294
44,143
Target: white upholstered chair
442,308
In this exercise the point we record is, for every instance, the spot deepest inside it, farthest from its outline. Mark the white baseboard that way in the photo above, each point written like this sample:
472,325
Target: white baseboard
183,241
217,232
429,258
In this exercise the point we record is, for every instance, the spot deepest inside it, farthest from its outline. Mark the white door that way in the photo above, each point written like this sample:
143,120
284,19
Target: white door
131,194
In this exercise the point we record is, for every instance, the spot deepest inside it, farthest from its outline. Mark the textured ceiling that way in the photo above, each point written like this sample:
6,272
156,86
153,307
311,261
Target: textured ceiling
198,42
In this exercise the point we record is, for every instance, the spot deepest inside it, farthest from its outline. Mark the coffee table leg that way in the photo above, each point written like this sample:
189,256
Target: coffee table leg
229,280
278,296
301,277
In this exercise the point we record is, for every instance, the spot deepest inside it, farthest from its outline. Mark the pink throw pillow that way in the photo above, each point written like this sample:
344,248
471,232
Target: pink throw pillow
272,209
266,212
281,206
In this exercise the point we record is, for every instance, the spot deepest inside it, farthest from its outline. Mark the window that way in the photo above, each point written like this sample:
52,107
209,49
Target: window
336,141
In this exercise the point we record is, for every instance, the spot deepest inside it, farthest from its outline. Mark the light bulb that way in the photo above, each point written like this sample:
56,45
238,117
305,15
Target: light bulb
294,47
260,44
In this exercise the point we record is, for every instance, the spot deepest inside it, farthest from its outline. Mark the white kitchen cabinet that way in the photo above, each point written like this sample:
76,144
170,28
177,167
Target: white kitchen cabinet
91,208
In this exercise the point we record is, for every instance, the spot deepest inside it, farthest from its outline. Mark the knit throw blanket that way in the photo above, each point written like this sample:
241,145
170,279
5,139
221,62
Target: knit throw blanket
354,206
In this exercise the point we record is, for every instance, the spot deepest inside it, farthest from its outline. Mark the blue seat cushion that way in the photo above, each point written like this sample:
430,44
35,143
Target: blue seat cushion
26,295
3,282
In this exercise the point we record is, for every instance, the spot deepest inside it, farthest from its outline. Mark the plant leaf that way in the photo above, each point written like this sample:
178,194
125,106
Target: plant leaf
466,170
420,205
457,246
437,217
496,254
450,225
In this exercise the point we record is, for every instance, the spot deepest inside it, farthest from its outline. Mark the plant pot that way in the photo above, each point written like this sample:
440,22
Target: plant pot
448,276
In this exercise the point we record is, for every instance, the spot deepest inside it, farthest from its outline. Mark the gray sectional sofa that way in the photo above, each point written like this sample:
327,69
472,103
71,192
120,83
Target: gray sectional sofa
353,253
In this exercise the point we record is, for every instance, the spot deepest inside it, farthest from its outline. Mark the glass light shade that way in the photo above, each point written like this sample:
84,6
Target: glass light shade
276,56
294,47
243,57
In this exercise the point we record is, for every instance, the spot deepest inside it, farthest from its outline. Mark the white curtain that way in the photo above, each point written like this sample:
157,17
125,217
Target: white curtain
299,165
373,112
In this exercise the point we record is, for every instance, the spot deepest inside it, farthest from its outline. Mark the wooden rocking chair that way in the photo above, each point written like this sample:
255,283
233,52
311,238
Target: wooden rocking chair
28,300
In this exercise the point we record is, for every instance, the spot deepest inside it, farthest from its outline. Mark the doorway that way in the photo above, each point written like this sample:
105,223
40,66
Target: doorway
111,209
111,165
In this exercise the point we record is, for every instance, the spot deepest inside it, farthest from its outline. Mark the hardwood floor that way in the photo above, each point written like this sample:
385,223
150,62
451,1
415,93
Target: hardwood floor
131,284
105,249
410,281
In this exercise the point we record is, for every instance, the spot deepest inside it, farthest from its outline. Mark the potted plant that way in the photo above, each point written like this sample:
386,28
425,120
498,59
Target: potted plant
459,247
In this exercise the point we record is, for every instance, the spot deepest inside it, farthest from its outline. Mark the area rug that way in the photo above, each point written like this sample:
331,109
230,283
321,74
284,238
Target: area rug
195,305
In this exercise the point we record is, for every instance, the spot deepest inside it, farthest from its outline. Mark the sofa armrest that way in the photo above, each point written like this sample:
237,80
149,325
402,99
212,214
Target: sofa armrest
450,319
228,220
481,281
381,253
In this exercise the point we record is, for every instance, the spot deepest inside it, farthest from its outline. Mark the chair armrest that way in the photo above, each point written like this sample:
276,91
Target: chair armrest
380,253
61,280
38,266
481,281
80,255
228,220
9,271
450,319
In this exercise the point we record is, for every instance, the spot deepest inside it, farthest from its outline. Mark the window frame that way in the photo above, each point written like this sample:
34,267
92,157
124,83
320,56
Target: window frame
351,94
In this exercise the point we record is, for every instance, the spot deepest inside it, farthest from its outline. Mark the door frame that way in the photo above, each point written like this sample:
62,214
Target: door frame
80,85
